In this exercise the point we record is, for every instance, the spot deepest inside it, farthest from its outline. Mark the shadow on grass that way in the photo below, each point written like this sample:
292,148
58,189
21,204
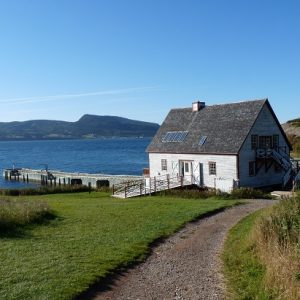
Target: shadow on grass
18,231
118,275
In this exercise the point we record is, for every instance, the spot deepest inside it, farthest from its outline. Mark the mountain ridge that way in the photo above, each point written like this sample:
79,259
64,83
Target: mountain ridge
88,126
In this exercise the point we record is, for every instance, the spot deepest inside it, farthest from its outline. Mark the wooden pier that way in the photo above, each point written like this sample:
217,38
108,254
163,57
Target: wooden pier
53,177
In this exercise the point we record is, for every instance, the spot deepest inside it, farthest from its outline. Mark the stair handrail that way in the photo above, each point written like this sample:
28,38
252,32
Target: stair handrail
283,152
287,177
282,158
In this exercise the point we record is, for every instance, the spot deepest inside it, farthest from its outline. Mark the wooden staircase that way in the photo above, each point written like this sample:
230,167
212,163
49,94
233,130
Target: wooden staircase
150,185
283,159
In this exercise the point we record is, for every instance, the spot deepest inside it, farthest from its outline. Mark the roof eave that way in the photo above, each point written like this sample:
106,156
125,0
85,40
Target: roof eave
194,153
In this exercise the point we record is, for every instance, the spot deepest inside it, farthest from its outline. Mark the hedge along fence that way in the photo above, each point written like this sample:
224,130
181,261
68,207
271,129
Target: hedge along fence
204,193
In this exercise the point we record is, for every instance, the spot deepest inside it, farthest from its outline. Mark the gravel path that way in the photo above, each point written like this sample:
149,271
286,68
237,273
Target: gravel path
184,266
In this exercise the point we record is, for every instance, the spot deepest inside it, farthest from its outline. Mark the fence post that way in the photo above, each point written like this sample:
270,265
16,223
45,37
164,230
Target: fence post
154,184
125,192
113,189
181,181
140,189
145,186
150,186
168,181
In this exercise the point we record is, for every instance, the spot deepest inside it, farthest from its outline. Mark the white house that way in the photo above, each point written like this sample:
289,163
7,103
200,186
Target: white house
222,146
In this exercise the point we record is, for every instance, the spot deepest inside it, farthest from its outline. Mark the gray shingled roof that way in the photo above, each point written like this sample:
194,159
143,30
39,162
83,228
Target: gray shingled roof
226,127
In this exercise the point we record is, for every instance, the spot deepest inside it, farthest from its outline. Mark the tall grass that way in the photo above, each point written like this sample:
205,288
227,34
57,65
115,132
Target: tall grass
277,237
15,213
44,190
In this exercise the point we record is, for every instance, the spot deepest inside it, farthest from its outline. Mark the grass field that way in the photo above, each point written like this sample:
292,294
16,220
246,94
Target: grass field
243,269
92,235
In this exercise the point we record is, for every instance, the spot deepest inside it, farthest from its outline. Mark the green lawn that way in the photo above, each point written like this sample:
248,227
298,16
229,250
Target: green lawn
91,236
243,269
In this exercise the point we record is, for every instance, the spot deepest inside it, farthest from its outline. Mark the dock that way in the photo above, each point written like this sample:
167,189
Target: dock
54,177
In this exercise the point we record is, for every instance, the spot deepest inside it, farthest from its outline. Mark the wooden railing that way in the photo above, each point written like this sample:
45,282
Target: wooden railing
150,185
278,154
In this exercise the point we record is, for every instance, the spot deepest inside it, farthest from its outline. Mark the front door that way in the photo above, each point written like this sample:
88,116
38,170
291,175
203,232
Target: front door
186,170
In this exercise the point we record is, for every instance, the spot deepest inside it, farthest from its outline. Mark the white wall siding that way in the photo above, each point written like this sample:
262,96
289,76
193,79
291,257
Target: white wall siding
265,125
226,166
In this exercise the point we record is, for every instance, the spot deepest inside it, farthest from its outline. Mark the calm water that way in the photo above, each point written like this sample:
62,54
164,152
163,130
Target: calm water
110,156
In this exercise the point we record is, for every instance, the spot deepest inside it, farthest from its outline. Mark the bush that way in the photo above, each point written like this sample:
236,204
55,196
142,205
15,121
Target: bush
15,213
193,193
249,193
204,193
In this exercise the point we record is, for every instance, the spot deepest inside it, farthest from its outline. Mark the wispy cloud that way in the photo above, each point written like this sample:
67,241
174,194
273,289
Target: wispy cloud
77,95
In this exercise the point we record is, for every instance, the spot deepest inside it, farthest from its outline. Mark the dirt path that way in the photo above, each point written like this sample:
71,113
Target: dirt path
185,266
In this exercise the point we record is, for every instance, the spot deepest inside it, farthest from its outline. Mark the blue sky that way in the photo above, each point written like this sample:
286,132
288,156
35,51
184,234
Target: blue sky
140,58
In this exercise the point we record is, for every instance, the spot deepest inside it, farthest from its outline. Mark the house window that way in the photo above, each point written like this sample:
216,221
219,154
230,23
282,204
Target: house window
265,142
164,165
252,168
254,141
275,141
212,168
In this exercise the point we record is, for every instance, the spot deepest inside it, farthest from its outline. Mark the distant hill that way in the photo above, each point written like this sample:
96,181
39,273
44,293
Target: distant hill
292,127
292,130
88,126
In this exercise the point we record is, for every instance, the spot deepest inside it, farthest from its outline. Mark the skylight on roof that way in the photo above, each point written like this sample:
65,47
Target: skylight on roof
202,140
174,136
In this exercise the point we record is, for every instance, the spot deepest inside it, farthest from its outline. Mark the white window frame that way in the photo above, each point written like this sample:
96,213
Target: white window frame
164,164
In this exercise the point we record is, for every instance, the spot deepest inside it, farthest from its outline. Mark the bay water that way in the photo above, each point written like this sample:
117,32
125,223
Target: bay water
116,156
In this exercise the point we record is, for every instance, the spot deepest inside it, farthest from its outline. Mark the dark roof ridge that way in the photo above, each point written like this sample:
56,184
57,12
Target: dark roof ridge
223,104
240,102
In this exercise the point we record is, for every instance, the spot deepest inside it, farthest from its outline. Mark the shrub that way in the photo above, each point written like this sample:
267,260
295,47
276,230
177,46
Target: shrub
191,193
204,193
249,193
